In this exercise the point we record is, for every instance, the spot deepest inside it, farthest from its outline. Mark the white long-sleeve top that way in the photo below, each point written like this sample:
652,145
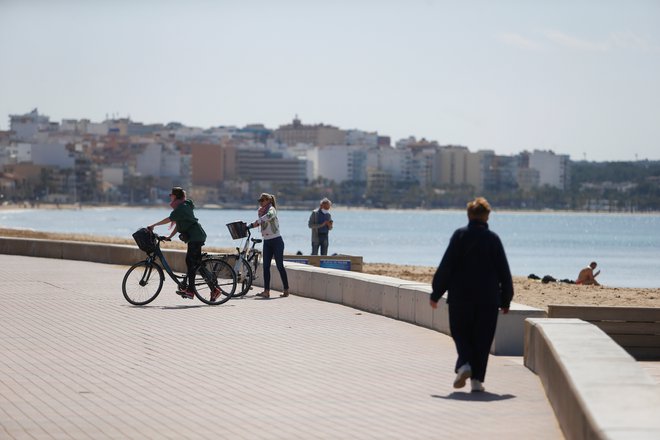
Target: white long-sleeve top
270,226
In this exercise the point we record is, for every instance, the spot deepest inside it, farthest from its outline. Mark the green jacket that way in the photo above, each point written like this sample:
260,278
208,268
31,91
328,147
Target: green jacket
185,220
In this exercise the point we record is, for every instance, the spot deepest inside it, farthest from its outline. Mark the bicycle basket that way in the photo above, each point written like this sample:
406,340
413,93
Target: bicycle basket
237,230
145,239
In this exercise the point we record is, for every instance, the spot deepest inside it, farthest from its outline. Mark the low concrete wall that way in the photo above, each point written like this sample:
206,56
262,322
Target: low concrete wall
597,390
399,299
85,251
392,297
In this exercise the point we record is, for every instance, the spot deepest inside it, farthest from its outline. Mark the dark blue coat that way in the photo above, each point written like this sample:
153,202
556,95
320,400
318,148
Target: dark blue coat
474,269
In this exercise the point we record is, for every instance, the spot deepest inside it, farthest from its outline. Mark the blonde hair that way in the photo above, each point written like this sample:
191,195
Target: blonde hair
478,209
269,197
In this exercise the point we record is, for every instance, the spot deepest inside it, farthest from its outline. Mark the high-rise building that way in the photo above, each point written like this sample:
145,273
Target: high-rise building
553,168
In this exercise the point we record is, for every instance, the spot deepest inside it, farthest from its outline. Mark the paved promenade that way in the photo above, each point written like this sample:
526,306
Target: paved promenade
77,361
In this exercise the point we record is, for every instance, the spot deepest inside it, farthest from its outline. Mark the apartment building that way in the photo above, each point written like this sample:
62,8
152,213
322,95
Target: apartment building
26,127
266,166
159,160
455,166
318,135
338,163
212,164
451,165
554,169
397,163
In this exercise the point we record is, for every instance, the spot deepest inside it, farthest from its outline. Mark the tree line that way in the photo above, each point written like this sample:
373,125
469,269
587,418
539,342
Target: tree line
597,186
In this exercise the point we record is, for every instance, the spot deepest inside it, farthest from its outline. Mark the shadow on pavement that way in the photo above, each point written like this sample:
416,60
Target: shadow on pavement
475,397
179,307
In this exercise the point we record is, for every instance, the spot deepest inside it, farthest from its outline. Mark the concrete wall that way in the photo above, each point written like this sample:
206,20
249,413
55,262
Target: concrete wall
85,251
395,298
597,390
399,299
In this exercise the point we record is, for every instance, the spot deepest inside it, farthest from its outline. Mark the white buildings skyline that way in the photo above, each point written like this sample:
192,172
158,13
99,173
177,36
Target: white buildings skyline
295,153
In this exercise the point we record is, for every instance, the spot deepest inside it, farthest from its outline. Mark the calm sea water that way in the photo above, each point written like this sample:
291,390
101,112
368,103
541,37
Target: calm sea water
626,246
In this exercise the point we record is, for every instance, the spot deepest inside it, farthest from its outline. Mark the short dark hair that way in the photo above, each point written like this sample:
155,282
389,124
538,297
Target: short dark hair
178,192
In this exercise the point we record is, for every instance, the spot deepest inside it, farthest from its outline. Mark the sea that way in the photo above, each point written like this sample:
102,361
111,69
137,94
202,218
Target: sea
625,246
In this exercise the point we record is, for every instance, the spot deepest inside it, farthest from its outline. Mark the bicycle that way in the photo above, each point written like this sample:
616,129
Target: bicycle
246,261
144,280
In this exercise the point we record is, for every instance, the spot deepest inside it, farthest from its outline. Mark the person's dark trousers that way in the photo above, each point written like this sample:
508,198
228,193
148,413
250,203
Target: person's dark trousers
473,328
274,248
322,243
193,258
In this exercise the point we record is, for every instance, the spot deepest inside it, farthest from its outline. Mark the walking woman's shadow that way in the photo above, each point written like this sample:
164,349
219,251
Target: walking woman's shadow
484,396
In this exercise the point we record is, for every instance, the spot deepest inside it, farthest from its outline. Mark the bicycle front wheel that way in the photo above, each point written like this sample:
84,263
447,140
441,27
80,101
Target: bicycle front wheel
142,283
215,281
243,275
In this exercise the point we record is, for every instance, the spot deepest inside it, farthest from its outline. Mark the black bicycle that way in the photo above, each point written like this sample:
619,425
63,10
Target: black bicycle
215,280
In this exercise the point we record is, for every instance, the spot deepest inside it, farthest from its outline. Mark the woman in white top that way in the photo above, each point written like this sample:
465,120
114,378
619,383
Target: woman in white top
273,243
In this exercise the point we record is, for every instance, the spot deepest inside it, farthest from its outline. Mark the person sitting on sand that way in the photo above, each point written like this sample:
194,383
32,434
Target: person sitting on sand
587,275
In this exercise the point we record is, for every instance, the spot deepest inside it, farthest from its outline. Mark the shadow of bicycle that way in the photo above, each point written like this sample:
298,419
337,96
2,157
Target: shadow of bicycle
179,307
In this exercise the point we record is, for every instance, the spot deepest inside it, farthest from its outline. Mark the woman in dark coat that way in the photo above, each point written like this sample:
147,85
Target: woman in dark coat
476,273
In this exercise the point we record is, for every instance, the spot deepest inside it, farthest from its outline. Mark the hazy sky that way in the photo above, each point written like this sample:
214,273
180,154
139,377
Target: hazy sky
578,77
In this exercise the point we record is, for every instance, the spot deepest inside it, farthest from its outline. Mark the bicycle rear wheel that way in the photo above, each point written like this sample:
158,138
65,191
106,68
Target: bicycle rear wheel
212,274
244,275
254,259
142,283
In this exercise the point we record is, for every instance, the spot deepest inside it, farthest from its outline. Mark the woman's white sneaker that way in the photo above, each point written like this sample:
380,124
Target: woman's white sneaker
477,386
462,375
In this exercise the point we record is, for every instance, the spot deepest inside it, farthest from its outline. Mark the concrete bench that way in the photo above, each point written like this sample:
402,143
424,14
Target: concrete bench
636,329
596,389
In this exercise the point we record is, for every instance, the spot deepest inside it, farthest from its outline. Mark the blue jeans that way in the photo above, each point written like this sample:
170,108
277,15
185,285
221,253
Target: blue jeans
323,243
274,248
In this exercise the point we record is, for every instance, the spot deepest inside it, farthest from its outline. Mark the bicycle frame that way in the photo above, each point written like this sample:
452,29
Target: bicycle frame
247,252
158,253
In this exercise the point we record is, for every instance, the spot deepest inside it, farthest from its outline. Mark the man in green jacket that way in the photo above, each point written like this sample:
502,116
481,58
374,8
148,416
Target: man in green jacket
191,232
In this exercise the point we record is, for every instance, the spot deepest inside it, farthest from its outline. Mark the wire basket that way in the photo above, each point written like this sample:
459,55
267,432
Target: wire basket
237,230
145,239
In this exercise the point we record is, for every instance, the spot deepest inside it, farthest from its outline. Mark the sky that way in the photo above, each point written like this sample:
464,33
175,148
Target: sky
579,77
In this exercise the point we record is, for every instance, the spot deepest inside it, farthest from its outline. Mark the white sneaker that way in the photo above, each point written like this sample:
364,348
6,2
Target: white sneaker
463,374
477,386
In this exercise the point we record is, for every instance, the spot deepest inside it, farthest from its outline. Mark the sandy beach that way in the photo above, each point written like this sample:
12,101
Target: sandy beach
536,294
530,292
